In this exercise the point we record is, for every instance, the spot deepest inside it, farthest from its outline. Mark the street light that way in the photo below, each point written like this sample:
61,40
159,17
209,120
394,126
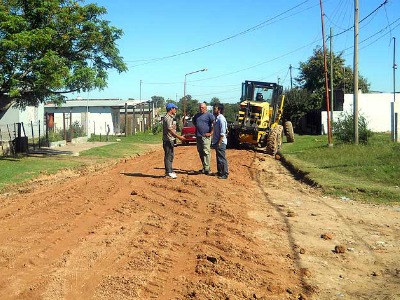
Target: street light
184,90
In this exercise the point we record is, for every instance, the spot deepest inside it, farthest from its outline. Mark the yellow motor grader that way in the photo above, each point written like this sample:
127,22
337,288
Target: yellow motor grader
259,118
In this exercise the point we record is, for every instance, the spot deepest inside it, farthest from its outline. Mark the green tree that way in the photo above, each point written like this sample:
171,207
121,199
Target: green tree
214,101
158,101
312,76
49,48
298,102
230,111
192,105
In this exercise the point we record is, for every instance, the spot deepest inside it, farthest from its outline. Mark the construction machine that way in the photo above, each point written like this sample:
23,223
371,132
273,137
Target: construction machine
258,122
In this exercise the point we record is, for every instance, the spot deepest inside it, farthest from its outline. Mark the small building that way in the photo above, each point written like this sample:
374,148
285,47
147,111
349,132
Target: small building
101,116
377,108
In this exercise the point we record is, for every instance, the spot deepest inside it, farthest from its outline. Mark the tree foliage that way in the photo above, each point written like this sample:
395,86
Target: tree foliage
312,75
298,102
158,101
52,47
214,101
192,105
230,111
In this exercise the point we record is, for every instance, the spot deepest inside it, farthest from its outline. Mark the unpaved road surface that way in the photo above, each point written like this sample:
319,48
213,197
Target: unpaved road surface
127,232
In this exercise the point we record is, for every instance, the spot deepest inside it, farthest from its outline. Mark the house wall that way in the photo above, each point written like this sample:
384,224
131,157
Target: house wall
104,115
102,121
375,107
100,118
31,117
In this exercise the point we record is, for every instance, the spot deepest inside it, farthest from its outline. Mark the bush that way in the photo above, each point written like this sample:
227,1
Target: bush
55,136
343,129
77,130
157,128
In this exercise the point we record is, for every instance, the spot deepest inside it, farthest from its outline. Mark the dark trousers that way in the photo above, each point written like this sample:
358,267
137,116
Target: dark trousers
168,155
222,163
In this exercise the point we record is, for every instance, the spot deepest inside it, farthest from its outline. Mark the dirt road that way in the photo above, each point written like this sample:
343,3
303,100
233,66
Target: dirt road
127,232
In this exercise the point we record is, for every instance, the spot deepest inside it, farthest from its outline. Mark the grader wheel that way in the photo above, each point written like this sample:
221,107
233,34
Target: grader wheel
289,133
274,141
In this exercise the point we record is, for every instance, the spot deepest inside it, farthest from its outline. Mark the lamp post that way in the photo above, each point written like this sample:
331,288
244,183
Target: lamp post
184,89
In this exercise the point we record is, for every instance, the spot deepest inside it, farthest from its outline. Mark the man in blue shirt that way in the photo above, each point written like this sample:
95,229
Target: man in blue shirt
219,141
204,121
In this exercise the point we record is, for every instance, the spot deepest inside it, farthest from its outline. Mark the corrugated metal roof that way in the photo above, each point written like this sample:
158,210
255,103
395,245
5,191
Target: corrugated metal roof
97,102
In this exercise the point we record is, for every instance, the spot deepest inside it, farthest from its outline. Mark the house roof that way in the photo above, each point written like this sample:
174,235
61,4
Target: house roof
98,102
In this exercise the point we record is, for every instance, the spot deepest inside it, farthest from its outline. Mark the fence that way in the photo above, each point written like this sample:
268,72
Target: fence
17,137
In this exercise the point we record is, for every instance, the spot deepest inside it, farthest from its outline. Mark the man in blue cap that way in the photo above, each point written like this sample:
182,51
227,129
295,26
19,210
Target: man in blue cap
169,136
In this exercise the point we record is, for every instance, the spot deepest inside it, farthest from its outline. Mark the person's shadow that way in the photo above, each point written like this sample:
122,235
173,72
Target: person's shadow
178,171
142,175
181,171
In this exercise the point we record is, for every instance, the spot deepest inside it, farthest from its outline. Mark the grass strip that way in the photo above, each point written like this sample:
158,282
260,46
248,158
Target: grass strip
362,172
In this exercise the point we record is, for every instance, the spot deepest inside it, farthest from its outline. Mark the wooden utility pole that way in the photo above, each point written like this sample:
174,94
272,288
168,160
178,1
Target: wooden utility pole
355,71
326,78
331,70
126,117
394,69
395,135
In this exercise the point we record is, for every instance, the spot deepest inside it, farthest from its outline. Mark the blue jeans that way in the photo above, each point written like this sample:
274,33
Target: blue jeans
222,163
168,147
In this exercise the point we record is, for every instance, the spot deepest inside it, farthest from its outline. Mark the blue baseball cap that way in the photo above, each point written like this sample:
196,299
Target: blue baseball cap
170,106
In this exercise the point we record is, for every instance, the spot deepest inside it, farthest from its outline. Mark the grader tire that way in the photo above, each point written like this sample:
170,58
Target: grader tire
273,141
280,136
289,133
233,139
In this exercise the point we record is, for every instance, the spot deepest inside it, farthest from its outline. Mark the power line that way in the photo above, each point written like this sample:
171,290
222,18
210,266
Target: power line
376,33
286,54
256,27
363,19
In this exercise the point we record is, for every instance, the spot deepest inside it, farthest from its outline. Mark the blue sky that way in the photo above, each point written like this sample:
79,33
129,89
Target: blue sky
237,41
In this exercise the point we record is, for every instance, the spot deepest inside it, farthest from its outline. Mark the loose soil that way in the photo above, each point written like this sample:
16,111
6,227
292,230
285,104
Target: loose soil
128,232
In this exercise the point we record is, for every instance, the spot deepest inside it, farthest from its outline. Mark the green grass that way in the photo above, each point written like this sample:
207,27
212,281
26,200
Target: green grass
362,172
15,170
126,147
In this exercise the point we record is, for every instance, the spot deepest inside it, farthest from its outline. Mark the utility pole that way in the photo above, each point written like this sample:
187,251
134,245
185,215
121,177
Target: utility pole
395,136
326,79
355,71
331,81
126,117
344,80
394,69
184,90
291,79
140,91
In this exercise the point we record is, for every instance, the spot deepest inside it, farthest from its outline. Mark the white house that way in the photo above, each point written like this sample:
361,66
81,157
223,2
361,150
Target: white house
377,108
98,116
18,124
